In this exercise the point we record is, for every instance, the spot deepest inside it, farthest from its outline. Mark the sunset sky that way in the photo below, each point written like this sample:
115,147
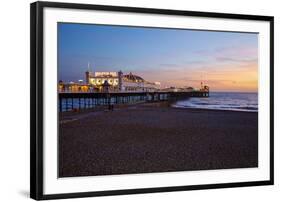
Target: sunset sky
225,61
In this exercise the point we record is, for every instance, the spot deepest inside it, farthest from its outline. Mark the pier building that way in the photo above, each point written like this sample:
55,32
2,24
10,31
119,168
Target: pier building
120,82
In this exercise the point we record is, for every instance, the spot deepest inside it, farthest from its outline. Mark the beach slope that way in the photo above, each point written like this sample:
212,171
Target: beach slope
148,138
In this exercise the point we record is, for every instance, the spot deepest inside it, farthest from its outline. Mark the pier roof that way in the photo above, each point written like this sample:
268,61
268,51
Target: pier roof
133,77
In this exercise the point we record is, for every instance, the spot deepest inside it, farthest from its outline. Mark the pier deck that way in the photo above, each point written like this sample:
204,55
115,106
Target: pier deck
71,101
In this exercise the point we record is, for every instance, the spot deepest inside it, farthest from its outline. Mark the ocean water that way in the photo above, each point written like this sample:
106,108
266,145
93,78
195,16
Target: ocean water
247,102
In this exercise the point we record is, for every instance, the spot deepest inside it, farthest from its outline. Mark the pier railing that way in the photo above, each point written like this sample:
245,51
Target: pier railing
77,101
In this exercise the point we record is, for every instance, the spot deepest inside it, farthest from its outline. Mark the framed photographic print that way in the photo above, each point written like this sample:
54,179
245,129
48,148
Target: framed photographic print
136,100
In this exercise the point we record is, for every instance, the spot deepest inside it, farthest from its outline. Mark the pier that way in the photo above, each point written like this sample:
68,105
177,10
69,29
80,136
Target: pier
77,101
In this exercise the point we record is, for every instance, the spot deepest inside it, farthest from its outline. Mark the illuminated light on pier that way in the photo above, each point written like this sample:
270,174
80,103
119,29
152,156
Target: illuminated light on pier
118,82
109,88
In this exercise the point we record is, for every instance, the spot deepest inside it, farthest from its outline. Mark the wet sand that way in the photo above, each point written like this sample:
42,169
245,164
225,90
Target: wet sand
149,138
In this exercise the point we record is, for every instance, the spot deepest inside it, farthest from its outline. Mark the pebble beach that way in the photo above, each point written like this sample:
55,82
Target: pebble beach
153,137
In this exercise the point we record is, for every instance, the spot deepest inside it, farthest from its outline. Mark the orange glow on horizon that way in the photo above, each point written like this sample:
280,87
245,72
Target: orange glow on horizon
232,78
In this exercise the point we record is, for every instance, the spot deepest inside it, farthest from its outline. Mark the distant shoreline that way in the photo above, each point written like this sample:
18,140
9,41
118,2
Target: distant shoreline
225,110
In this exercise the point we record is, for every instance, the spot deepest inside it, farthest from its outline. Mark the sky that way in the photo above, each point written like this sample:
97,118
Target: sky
225,61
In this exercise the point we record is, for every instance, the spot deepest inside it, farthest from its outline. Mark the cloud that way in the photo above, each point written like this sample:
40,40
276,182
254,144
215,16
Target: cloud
235,54
169,65
236,60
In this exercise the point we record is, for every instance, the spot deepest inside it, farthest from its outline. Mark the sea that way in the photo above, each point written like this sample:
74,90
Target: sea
232,101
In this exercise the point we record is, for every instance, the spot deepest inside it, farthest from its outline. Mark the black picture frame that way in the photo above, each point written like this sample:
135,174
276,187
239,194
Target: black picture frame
36,99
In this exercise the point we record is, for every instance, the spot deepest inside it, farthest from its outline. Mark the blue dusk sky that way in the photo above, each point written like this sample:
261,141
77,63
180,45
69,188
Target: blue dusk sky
226,61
